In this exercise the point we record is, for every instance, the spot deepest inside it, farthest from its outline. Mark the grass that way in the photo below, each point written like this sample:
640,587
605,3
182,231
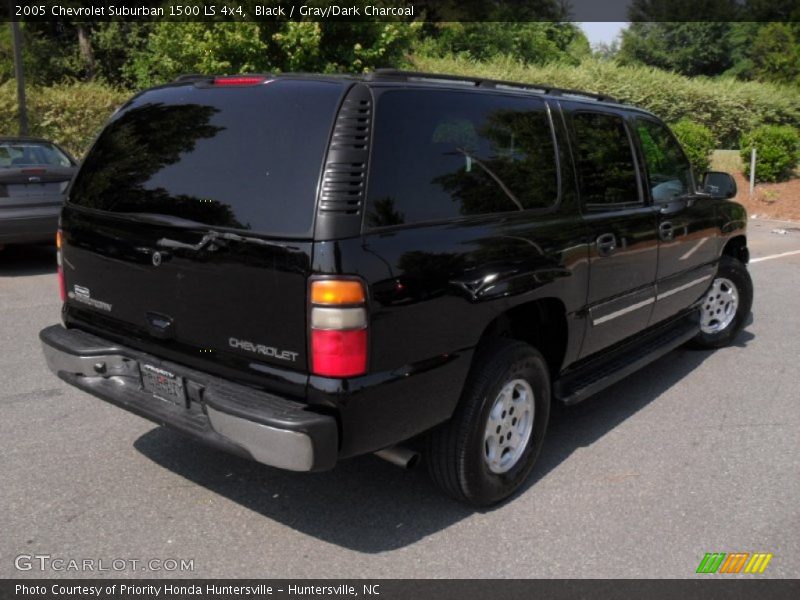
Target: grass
727,160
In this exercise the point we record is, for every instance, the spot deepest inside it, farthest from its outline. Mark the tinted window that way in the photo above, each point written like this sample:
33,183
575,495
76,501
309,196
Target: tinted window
22,154
606,171
668,170
246,157
440,154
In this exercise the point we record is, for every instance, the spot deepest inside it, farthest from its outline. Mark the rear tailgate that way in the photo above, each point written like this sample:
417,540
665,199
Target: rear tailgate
231,299
188,227
34,185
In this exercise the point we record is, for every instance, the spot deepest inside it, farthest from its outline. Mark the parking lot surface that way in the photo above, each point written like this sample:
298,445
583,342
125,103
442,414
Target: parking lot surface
699,452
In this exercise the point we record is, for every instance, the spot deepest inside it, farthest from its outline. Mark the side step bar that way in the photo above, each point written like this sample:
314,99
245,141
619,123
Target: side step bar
597,374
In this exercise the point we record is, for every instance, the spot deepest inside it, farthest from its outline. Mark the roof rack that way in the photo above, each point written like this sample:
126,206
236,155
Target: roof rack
400,75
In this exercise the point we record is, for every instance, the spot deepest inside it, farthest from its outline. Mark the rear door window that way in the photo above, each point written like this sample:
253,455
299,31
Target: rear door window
444,154
607,174
238,157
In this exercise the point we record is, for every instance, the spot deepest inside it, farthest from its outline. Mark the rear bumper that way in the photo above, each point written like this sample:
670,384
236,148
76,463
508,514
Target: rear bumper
271,430
26,225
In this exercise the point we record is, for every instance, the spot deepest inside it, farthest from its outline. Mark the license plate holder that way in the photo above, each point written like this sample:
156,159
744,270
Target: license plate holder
163,384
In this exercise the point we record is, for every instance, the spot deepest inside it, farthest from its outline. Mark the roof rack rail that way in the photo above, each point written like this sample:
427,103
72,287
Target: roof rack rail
398,74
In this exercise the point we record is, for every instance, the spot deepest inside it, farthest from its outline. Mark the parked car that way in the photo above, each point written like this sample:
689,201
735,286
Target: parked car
299,269
34,174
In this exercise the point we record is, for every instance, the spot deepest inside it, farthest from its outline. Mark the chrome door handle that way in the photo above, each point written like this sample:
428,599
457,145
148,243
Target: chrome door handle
666,231
606,244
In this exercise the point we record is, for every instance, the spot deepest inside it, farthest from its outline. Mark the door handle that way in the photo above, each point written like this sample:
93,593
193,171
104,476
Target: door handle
606,244
666,231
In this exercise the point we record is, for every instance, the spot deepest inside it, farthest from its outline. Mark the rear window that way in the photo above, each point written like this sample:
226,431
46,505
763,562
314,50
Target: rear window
25,154
445,154
237,157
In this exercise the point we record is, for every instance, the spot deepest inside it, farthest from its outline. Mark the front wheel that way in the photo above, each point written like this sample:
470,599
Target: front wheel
726,305
488,448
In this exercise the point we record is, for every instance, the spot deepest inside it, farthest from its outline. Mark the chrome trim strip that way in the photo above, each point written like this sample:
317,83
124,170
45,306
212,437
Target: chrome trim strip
623,311
685,286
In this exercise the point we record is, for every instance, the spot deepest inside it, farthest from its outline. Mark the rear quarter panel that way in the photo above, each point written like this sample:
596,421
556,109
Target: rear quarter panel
433,290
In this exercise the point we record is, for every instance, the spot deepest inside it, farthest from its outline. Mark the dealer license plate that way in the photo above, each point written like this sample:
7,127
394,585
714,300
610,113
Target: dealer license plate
163,384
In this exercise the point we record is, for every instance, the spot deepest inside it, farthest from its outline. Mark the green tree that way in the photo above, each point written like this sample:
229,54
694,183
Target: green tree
173,49
699,48
237,47
775,54
749,39
531,43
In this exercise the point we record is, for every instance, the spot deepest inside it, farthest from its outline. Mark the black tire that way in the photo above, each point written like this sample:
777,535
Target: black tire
455,452
735,272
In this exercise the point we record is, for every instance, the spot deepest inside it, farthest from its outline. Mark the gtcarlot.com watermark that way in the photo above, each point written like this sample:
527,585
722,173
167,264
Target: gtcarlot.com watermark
49,563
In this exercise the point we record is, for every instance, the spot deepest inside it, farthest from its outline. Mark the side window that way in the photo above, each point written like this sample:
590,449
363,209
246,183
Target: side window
443,154
604,158
668,170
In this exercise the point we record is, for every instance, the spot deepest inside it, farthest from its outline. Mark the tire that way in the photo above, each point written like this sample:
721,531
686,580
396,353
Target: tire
457,451
731,291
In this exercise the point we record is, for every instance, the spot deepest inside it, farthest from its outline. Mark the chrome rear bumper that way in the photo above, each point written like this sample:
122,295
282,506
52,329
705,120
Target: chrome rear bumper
271,430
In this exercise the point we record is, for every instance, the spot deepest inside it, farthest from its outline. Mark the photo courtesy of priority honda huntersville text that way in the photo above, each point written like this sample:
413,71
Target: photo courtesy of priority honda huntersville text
304,268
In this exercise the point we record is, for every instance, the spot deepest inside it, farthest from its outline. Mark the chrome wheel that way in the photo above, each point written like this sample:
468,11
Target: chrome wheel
719,306
509,426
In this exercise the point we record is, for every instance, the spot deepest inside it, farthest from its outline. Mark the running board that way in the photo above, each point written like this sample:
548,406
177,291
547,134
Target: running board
598,373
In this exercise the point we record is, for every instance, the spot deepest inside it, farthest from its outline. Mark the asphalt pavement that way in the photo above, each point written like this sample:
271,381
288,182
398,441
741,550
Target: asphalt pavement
699,452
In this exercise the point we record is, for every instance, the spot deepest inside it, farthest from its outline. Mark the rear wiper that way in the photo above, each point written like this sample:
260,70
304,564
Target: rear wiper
161,219
208,241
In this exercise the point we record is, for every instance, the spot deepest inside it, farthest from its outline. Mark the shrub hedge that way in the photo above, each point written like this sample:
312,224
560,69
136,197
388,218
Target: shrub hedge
777,151
69,114
698,142
72,114
726,106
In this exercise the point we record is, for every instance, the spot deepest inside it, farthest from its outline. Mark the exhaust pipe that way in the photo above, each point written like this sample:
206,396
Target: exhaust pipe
399,456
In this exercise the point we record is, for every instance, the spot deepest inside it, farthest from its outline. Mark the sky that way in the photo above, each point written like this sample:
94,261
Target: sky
601,32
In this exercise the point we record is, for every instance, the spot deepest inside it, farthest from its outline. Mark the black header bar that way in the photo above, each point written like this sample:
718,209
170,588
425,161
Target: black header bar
401,10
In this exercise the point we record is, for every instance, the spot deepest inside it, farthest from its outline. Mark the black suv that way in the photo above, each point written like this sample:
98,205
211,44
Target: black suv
304,268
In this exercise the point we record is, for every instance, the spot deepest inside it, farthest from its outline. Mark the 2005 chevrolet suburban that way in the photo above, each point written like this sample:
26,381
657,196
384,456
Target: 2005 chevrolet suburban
304,268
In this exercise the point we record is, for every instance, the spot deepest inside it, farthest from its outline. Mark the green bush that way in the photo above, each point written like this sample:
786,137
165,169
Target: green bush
726,106
69,114
274,47
698,142
532,42
777,151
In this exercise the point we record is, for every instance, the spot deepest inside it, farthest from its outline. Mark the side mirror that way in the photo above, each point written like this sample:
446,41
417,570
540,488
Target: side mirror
719,185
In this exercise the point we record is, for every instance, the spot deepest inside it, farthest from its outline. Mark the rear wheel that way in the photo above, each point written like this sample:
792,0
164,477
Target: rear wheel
488,449
725,306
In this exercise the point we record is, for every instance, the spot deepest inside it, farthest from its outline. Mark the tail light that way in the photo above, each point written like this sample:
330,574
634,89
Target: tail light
62,288
338,328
